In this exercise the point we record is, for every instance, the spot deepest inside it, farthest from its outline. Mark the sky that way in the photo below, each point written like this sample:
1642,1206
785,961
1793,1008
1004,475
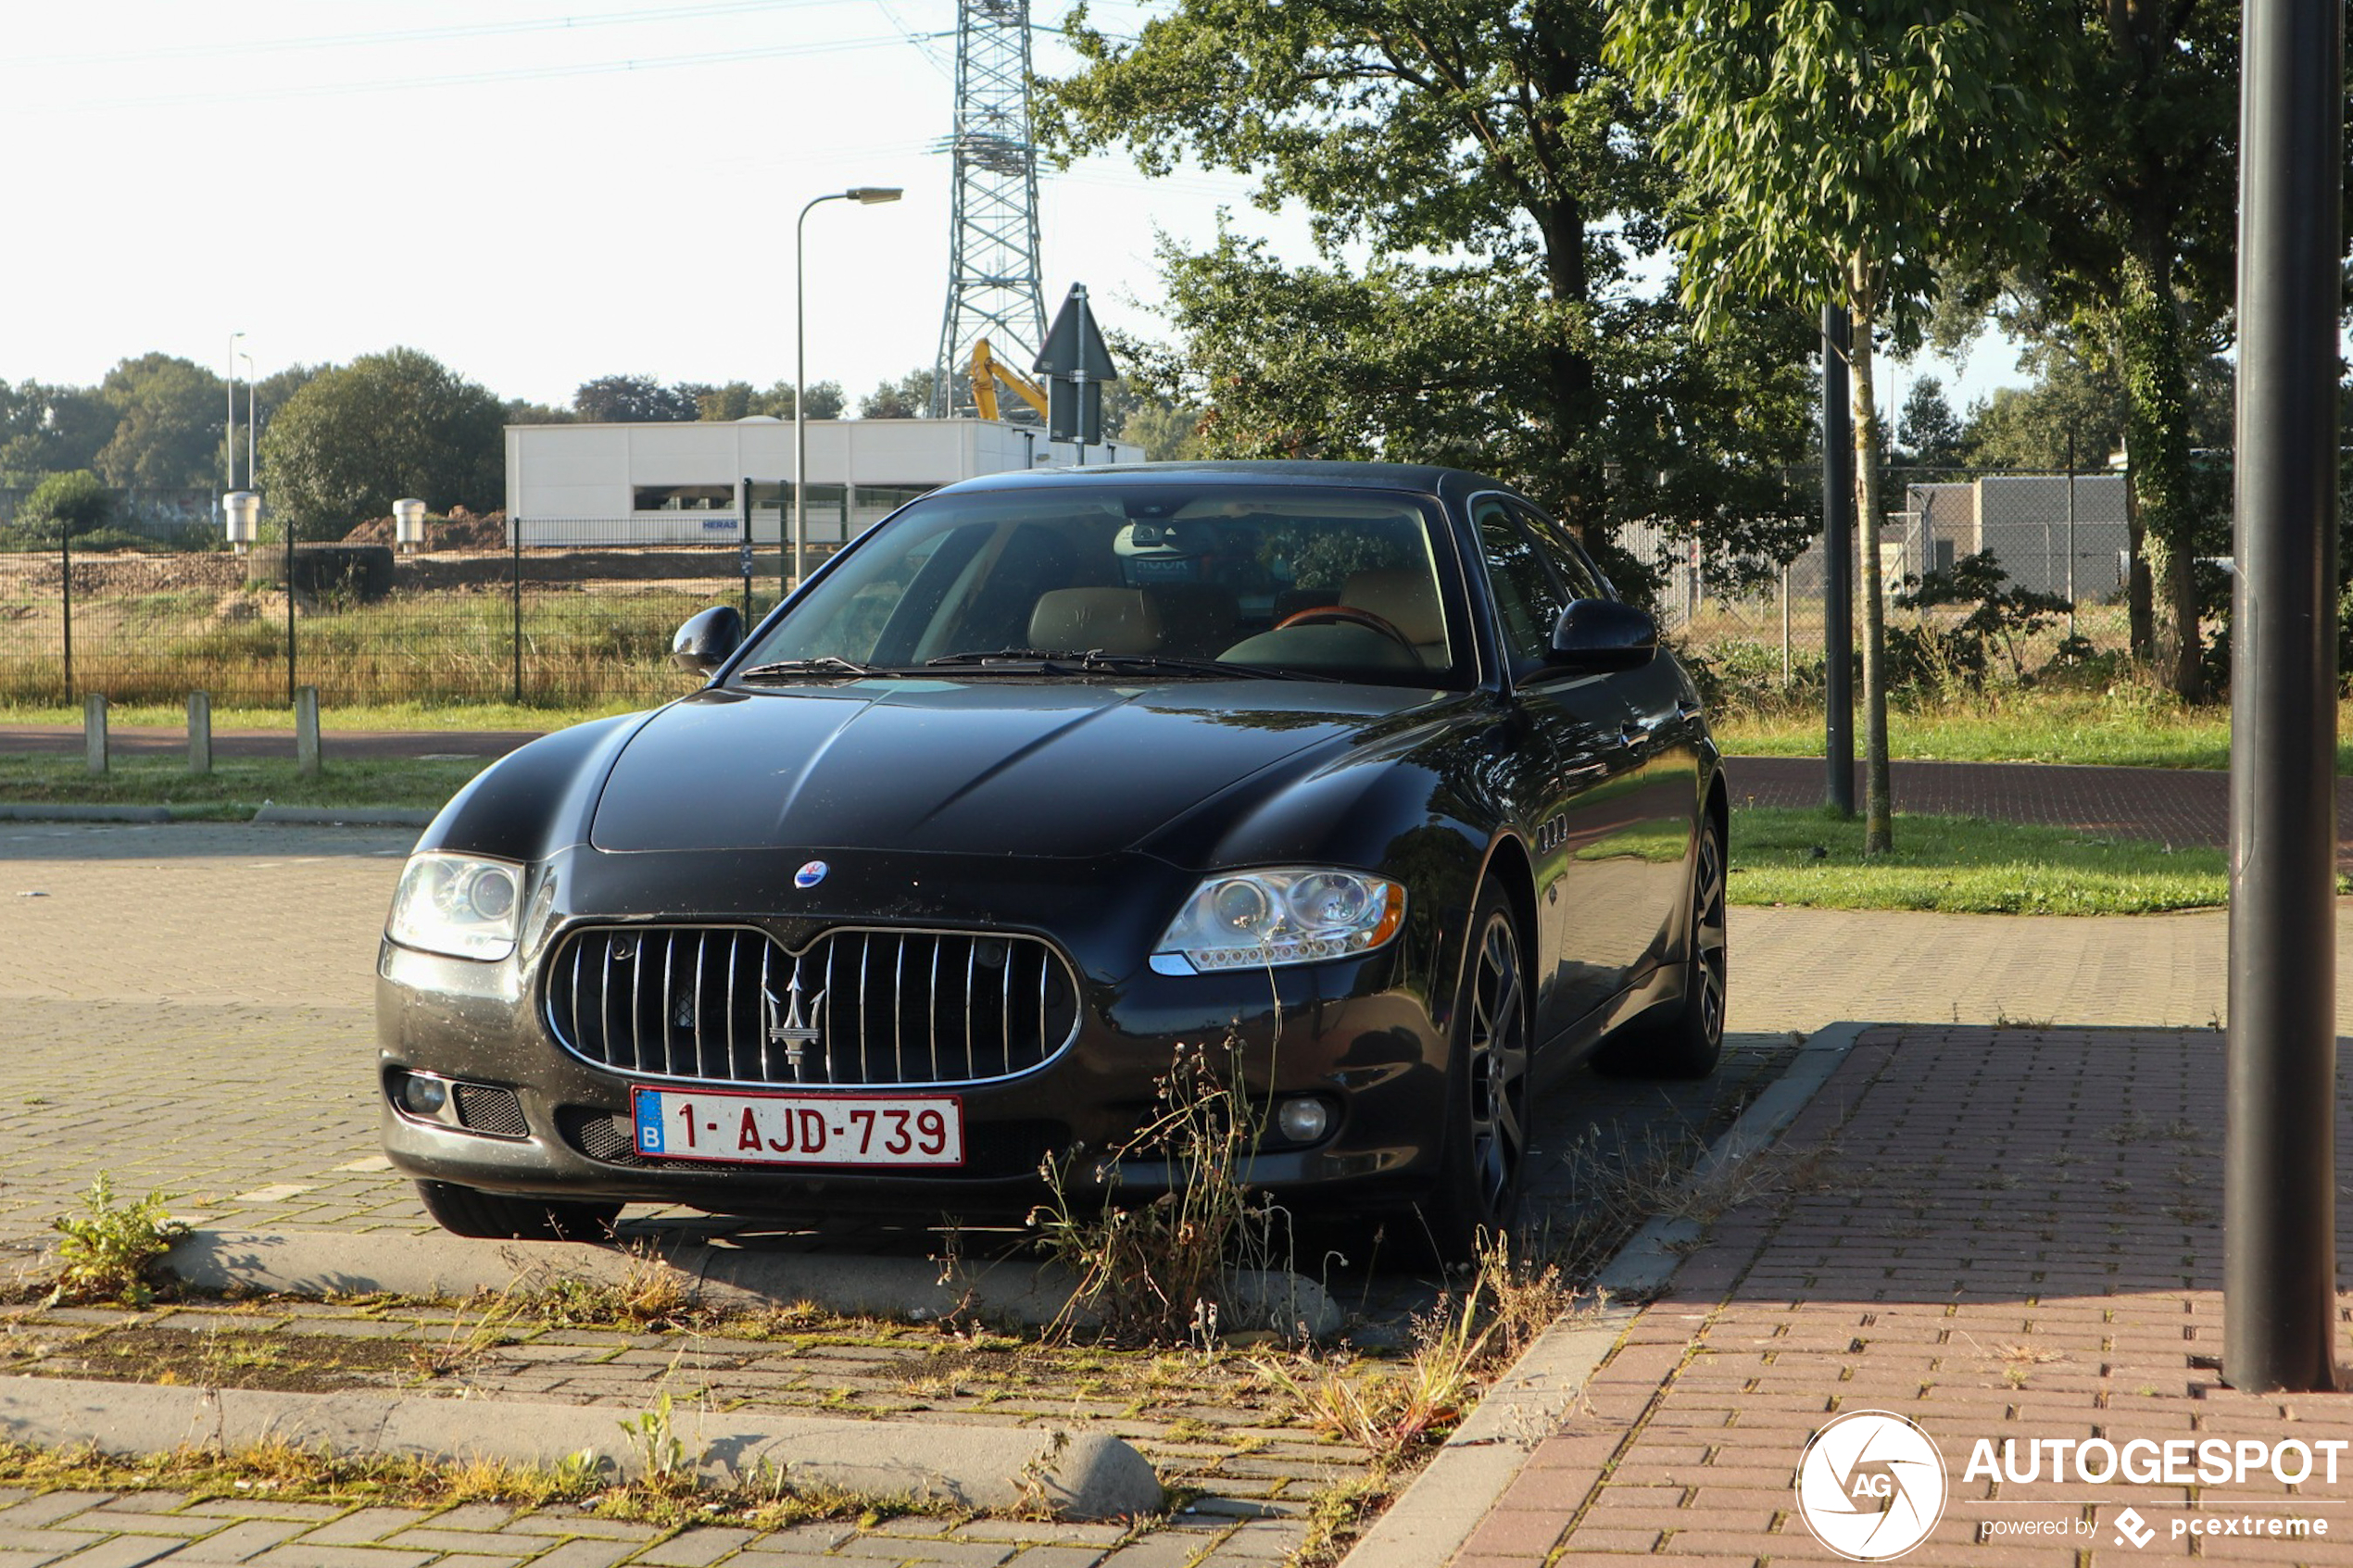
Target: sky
536,192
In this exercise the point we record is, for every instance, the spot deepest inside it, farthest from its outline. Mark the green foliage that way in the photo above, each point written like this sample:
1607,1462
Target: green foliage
1501,187
51,430
908,398
1961,866
1928,433
355,439
110,1252
169,418
2001,614
738,400
1836,153
636,400
63,506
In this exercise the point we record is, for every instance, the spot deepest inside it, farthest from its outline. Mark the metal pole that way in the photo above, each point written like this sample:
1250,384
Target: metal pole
1837,557
65,567
2071,534
228,431
518,596
253,471
1784,625
800,389
288,526
2279,1217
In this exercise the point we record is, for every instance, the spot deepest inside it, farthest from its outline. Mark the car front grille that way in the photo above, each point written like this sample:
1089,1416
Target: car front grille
858,1008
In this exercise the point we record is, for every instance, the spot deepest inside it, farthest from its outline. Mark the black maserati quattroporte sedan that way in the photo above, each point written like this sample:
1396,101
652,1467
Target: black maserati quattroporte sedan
1365,766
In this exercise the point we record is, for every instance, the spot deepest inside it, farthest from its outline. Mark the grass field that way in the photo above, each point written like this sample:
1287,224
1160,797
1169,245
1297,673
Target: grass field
1962,866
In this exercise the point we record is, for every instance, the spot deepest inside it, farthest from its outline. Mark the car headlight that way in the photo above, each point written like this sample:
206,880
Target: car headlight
1251,920
460,904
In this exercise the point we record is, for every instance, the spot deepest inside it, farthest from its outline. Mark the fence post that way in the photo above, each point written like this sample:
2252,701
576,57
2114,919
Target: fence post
200,731
514,526
93,731
288,526
306,759
65,570
744,555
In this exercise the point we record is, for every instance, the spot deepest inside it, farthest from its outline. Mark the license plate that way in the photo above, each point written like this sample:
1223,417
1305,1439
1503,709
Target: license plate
798,1129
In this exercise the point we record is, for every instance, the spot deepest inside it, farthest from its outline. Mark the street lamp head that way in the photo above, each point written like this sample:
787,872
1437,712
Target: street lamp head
869,195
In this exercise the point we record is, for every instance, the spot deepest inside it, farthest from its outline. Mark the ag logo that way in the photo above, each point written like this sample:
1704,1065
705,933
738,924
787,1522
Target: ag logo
1871,1486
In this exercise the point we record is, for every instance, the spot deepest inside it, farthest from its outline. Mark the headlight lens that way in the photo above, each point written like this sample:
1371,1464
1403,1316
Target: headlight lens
1250,919
460,905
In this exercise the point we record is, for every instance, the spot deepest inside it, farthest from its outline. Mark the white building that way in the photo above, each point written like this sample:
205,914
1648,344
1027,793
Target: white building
673,483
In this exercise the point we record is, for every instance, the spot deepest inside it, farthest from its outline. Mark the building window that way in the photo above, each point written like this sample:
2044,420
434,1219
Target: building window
684,498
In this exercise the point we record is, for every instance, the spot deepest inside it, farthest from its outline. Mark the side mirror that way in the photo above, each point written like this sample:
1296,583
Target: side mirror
703,644
1595,636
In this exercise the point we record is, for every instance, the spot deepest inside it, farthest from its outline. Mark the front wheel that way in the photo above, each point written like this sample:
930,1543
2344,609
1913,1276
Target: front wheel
493,1216
1489,1102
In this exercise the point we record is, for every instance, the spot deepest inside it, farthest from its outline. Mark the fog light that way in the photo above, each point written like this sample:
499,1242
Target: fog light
422,1097
1302,1121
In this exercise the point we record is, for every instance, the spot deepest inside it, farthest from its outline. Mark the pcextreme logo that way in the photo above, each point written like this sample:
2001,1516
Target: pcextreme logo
1870,1485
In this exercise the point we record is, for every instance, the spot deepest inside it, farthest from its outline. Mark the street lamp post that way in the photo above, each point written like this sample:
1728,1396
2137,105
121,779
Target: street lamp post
864,196
253,471
229,432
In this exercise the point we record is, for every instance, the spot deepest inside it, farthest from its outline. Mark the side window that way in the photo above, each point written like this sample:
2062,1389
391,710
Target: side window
1527,601
1568,561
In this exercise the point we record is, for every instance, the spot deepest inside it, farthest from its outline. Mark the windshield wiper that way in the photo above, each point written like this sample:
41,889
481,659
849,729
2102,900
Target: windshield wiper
1002,655
823,664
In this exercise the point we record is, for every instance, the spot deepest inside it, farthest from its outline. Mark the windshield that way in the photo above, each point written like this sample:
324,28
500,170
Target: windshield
1152,578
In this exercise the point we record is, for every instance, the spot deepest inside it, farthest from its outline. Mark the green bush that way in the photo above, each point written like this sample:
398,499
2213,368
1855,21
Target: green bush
62,505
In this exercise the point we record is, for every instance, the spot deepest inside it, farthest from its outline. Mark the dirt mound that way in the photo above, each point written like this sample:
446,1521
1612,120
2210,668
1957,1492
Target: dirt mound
461,529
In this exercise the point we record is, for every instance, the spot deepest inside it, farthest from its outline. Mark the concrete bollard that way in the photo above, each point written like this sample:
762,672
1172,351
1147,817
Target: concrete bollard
307,731
93,731
200,731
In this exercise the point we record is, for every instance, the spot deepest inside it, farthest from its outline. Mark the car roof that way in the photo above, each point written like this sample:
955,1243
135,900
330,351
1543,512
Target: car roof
1424,478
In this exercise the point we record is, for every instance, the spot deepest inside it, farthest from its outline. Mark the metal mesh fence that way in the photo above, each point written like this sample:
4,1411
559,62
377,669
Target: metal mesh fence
570,612
2056,534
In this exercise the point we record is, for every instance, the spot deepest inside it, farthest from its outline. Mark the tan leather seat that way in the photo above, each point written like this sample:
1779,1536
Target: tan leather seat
1078,620
1407,599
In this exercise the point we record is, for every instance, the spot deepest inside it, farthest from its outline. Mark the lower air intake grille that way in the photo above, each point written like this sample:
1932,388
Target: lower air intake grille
483,1109
859,1007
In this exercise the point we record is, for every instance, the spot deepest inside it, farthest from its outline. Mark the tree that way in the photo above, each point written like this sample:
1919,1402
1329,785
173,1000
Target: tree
356,439
51,430
739,400
1501,184
1838,153
170,424
2137,193
635,400
1928,433
63,506
908,398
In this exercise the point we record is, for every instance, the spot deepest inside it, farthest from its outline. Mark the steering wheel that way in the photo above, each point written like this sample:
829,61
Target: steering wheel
1314,615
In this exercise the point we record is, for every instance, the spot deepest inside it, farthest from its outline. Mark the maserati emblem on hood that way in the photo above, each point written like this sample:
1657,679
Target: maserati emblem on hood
811,874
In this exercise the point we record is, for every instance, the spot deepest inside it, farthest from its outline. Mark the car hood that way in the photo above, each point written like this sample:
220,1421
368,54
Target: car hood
995,766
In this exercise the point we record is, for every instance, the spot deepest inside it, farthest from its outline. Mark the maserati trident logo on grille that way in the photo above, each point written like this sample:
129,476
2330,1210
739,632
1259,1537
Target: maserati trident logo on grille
811,874
789,1026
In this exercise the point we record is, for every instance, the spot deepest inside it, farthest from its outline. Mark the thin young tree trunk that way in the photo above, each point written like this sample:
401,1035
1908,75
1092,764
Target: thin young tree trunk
1879,807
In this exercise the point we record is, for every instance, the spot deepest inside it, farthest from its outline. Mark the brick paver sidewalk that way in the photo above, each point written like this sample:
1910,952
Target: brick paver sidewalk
1998,1233
2172,805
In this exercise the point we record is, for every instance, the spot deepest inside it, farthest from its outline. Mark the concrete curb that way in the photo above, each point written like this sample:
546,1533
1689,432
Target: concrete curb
350,816
1072,1475
330,1263
45,812
1429,1524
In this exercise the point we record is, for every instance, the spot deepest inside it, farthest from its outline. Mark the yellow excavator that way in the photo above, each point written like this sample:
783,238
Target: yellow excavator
988,371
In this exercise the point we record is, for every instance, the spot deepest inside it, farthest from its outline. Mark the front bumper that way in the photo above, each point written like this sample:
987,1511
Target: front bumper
1357,1033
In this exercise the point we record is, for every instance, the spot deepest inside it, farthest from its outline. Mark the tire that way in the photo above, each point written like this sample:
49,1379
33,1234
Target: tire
1687,1039
1489,1091
490,1216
